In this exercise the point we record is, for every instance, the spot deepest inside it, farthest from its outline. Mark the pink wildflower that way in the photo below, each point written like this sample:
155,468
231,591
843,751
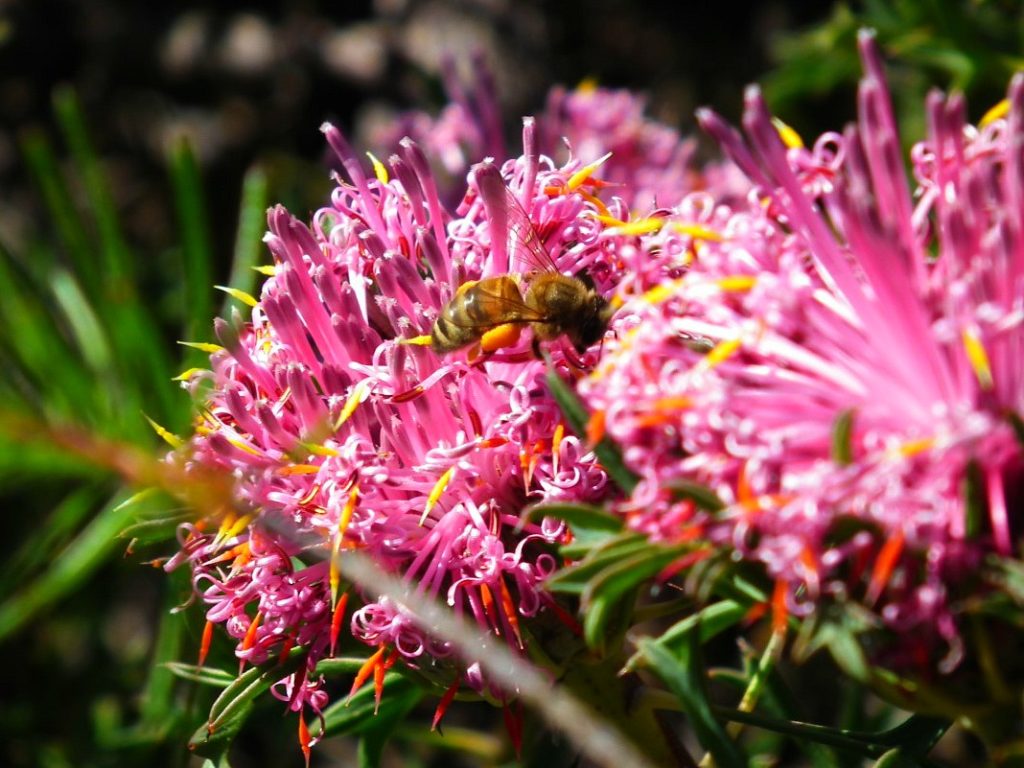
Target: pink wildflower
845,349
340,433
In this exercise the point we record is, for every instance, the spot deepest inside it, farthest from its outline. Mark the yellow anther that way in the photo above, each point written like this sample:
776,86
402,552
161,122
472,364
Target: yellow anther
697,231
318,449
298,469
229,532
638,226
978,358
168,437
609,220
602,209
202,346
417,341
378,168
587,85
997,112
499,337
347,510
266,269
234,293
186,375
737,283
721,352
586,172
240,444
359,393
914,447
789,137
435,494
556,444
662,291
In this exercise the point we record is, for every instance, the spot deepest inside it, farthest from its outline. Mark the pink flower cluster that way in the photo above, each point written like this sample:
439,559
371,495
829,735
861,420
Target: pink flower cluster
342,430
840,363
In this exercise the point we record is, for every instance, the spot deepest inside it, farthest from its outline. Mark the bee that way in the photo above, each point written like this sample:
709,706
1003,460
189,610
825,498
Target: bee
494,310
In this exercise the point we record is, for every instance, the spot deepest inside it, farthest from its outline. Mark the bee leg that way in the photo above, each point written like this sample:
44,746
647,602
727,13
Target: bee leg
535,346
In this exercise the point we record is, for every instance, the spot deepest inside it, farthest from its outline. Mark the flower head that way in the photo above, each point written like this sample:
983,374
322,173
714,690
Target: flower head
343,432
841,365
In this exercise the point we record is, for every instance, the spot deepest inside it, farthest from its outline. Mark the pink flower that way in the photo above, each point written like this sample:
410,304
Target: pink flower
342,431
845,349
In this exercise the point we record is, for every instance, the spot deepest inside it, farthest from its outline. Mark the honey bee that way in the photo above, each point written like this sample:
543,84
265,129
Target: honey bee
494,310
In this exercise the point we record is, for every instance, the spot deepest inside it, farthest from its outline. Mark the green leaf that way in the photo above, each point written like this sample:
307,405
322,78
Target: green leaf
972,488
590,524
916,735
574,579
209,676
235,704
617,584
196,250
683,673
576,415
699,494
69,570
842,437
355,715
374,738
249,240
709,622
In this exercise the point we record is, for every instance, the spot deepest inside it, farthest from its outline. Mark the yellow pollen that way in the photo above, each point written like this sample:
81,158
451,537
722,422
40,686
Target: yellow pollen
978,358
298,469
501,336
616,301
914,447
186,375
320,450
334,575
697,231
378,168
435,494
638,226
596,201
241,445
347,510
266,269
997,112
662,291
202,346
721,352
789,137
235,293
587,85
168,437
417,341
239,525
359,393
586,172
556,444
737,283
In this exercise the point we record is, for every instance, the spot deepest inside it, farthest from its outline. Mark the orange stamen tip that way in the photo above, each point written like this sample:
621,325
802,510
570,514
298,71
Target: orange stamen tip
336,620
304,739
204,643
366,670
442,706
888,557
780,613
500,337
595,427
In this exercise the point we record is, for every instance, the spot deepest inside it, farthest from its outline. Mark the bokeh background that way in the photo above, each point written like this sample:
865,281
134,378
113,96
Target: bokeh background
248,84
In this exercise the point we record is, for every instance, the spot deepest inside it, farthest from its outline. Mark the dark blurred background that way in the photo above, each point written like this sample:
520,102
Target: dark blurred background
251,83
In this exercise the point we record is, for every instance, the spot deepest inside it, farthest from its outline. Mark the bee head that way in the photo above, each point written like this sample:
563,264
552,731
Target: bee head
593,326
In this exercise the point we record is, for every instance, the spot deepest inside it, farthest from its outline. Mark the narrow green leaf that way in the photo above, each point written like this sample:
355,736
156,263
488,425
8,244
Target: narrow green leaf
197,253
249,246
355,715
45,171
573,580
709,622
972,488
576,415
209,676
699,494
842,437
613,585
374,738
590,524
684,675
916,735
235,704
157,705
68,572
85,326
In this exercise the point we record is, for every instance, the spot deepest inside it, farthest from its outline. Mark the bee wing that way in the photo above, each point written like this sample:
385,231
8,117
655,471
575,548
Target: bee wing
526,251
502,307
